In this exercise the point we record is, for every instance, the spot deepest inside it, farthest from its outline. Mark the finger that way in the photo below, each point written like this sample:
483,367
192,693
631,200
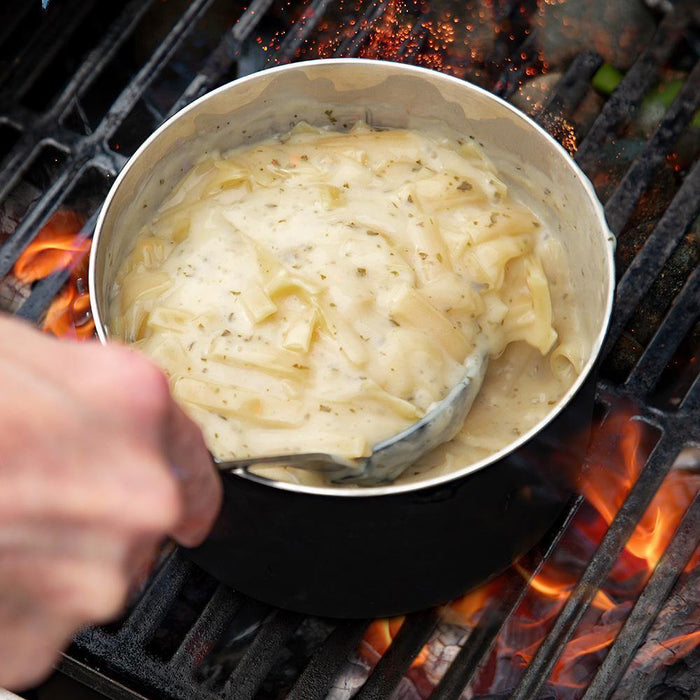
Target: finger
30,645
126,488
132,552
77,590
199,481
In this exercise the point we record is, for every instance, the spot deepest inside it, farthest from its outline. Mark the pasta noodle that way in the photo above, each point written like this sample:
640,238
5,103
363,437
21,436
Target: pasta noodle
319,291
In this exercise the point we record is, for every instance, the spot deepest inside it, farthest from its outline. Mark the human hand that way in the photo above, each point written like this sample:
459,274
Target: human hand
97,465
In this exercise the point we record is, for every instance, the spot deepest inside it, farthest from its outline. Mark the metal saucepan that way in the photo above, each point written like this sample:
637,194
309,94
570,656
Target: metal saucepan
357,552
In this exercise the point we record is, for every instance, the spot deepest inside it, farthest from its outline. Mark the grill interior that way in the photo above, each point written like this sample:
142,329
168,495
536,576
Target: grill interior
84,82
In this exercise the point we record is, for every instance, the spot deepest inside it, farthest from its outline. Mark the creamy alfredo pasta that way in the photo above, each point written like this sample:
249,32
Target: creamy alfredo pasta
318,291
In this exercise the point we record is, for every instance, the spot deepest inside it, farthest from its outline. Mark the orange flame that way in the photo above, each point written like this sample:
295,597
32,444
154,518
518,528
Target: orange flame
546,583
379,636
597,639
606,487
54,248
467,609
58,247
657,526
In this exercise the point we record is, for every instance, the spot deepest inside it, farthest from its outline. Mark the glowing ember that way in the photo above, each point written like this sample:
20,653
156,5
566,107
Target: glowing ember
452,40
563,131
675,647
59,247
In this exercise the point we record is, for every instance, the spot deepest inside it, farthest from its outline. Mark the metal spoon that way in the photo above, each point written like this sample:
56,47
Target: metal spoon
391,457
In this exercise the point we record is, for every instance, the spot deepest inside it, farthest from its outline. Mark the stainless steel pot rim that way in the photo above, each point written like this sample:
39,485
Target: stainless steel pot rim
390,489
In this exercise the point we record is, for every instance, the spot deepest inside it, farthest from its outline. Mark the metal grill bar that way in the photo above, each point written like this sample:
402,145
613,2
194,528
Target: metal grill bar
574,84
392,667
91,68
11,16
38,216
155,602
462,670
32,139
647,607
224,55
38,127
260,655
92,678
680,422
691,405
638,682
649,262
633,87
150,70
206,631
350,46
620,205
620,530
46,42
139,672
296,36
129,643
681,317
328,662
44,291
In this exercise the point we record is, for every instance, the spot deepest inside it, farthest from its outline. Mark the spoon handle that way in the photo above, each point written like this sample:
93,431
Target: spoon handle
312,461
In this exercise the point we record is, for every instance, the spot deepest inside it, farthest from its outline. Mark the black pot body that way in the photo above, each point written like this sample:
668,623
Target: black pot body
371,556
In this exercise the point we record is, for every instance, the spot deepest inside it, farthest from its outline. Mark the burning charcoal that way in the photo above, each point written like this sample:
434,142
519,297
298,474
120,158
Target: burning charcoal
13,292
659,666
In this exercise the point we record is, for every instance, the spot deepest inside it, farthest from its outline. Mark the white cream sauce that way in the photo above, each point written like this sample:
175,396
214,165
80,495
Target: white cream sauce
319,291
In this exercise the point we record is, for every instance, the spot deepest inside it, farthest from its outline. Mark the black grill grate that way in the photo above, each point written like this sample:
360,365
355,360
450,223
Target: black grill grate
187,637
